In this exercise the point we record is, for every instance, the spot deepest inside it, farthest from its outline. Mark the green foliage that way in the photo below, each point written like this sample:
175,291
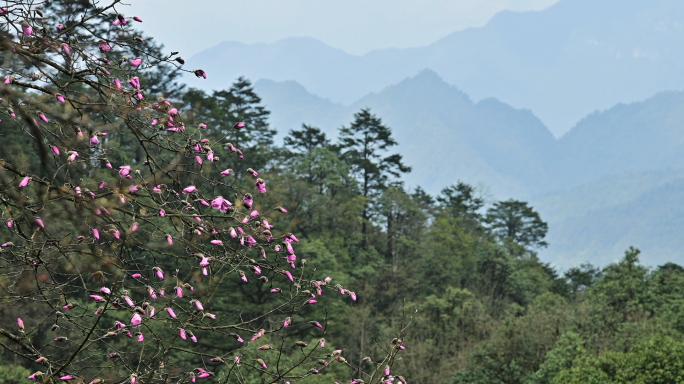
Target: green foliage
658,361
516,221
13,374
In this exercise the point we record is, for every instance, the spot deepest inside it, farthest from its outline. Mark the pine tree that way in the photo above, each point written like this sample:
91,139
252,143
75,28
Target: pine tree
363,146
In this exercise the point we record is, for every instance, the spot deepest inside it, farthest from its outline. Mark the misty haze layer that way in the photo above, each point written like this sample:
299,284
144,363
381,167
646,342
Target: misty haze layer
562,63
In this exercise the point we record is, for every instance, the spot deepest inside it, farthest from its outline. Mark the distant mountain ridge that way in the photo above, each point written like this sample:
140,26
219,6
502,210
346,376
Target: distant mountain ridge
563,62
616,170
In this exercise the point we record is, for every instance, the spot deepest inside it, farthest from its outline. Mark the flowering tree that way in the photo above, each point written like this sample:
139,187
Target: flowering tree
130,254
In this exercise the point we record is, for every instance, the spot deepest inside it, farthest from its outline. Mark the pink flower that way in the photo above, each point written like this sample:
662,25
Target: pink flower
141,338
42,117
311,302
353,295
154,121
216,242
136,275
124,171
109,166
220,204
152,312
169,239
171,312
160,275
161,213
105,290
136,319
179,291
173,111
104,47
288,274
24,182
55,150
182,334
61,99
9,224
226,172
96,234
20,323
198,159
96,297
136,62
117,83
189,190
67,377
199,306
28,31
129,301
134,227
203,202
66,49
133,189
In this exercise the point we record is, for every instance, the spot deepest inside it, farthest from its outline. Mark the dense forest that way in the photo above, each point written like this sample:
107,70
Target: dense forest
482,307
459,273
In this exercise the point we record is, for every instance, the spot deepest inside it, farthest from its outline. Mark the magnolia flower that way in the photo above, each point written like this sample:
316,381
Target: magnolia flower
129,301
55,150
226,172
26,28
133,189
60,98
136,62
104,47
189,190
220,204
96,297
182,334
117,83
199,305
171,312
198,159
136,319
216,242
96,234
20,323
169,239
105,290
124,170
24,182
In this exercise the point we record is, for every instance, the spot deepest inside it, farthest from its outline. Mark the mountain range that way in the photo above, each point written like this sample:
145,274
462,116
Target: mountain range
575,109
564,62
610,182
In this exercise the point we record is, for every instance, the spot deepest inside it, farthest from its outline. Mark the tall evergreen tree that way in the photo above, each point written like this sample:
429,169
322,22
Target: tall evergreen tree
306,139
515,220
363,146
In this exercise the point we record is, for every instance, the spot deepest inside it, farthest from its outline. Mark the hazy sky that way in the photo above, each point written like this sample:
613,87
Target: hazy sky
355,26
